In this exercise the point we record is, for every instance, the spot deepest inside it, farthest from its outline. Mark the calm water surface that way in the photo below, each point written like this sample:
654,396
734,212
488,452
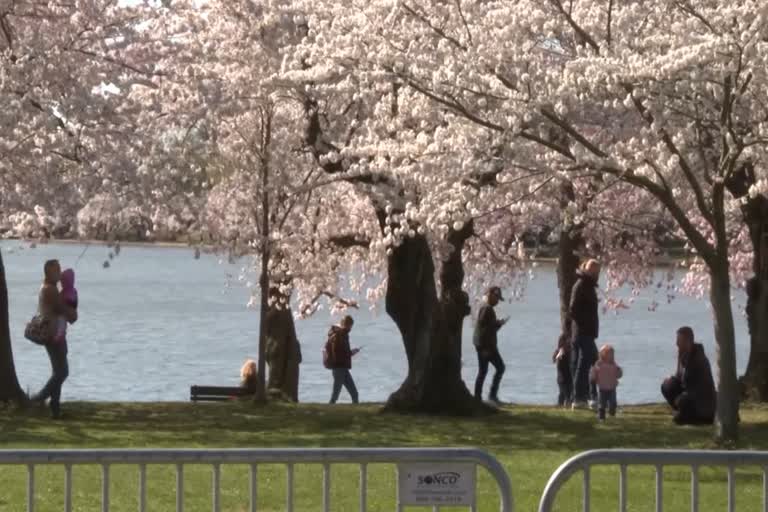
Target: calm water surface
159,320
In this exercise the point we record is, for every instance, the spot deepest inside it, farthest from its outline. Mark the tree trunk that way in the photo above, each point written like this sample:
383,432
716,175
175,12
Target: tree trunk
266,133
567,265
755,380
10,390
567,258
726,420
283,351
431,328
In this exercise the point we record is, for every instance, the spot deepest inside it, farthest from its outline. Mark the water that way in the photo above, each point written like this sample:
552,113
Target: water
159,321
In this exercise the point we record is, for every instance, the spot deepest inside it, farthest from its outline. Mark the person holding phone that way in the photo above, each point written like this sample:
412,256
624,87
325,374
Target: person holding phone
485,340
339,359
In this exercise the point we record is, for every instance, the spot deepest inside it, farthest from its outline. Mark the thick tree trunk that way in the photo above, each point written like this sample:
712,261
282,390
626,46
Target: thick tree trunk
567,265
283,352
726,420
10,390
431,328
261,382
567,258
755,380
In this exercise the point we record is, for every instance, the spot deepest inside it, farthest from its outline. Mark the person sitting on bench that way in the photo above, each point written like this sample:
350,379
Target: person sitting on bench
691,391
249,375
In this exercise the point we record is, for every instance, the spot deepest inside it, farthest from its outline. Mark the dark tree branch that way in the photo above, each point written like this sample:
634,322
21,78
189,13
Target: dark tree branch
437,30
646,115
580,32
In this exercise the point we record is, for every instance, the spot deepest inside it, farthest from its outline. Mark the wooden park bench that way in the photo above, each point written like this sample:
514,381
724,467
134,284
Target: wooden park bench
217,393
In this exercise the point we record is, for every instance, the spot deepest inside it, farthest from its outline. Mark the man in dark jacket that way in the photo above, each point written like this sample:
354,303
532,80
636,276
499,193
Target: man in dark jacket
691,391
486,343
341,359
585,327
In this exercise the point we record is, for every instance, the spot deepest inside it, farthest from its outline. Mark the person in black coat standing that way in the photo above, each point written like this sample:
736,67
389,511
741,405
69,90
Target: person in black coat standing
691,391
487,345
585,328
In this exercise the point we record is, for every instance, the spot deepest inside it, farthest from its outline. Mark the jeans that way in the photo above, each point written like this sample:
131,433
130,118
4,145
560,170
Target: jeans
564,382
57,353
584,355
684,403
485,357
343,377
607,398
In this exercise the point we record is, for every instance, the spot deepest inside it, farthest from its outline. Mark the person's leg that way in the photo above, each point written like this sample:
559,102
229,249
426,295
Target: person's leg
568,385
60,374
338,380
686,410
562,395
47,389
482,371
603,397
498,364
573,363
583,364
671,388
612,403
593,359
349,383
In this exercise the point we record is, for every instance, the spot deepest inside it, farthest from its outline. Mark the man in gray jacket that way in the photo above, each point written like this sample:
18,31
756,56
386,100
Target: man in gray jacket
486,344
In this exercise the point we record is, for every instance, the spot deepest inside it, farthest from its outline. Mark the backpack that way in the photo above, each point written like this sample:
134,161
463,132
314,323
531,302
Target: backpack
328,359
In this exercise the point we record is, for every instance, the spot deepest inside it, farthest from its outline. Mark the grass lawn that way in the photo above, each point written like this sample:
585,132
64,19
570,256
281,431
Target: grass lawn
531,442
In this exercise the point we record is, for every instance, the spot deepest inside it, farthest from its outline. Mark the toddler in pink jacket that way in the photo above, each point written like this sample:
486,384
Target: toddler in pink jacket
606,374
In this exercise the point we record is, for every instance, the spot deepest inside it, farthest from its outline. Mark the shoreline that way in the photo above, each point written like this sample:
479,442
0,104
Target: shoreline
104,243
662,261
362,403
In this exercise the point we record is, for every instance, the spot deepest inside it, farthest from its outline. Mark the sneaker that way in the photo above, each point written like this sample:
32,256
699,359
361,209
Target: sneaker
495,401
593,405
579,405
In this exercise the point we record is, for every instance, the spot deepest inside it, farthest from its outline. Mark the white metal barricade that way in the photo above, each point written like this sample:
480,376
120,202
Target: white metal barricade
694,459
252,458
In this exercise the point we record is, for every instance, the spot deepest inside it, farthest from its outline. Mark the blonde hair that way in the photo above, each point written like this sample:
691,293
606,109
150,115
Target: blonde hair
248,371
606,351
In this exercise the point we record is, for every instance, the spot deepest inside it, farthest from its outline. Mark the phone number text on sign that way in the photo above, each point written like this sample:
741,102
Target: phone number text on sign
436,484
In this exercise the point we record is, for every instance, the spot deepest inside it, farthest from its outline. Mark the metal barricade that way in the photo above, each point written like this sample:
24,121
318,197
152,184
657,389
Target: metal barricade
694,459
251,458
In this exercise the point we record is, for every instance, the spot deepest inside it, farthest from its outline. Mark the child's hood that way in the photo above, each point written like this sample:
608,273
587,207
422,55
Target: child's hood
68,279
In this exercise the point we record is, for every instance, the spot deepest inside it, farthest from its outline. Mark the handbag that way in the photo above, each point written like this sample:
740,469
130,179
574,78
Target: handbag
39,330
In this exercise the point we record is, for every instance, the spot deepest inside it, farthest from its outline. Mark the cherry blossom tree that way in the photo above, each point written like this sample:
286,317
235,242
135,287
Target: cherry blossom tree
66,131
268,200
663,96
448,182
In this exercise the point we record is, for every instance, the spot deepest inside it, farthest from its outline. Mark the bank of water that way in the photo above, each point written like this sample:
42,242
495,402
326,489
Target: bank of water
159,320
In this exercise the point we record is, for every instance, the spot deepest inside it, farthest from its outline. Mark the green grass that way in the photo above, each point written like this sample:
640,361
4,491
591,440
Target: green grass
531,442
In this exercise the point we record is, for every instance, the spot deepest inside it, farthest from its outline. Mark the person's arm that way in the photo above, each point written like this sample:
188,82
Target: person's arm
484,322
575,305
343,346
593,373
54,303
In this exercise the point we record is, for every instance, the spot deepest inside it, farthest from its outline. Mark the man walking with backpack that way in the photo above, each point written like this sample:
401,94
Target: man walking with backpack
337,357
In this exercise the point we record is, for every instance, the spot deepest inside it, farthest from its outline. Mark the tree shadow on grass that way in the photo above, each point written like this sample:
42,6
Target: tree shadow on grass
245,424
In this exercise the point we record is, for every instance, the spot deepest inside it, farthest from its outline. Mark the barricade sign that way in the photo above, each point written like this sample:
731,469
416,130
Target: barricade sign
436,484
